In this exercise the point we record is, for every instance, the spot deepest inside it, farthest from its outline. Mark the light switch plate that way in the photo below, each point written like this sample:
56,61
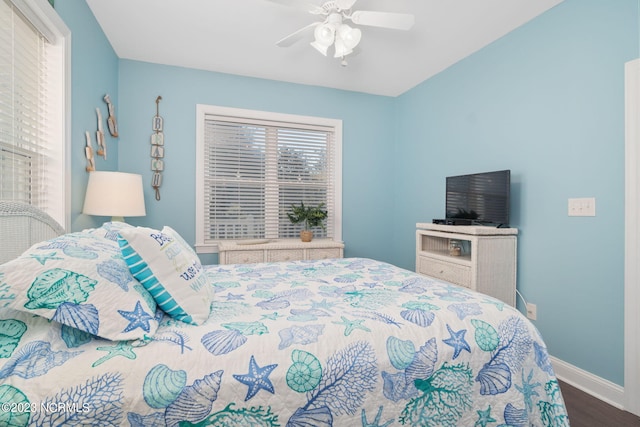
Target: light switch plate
585,206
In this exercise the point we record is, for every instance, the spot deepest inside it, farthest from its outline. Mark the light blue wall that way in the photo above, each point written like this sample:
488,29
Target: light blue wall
94,73
367,143
547,102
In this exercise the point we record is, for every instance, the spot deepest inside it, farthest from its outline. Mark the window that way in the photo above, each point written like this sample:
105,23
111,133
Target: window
33,44
253,165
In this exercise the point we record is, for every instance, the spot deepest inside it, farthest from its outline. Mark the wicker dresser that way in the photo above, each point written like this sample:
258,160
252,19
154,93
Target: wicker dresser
279,250
476,257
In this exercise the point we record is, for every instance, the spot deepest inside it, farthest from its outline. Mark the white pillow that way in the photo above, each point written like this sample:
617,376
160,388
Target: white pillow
170,270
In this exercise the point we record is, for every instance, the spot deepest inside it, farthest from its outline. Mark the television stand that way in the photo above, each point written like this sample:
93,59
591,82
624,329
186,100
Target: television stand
477,257
454,221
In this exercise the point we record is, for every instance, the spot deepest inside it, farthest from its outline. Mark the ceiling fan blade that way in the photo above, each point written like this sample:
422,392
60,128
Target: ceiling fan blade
345,4
396,21
299,4
296,36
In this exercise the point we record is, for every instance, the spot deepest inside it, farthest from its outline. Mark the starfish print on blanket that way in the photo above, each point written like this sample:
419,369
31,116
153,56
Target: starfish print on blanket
457,341
137,318
256,379
122,348
351,325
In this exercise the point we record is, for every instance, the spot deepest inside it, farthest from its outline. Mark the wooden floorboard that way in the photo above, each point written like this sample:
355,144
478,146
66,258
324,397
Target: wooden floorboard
586,411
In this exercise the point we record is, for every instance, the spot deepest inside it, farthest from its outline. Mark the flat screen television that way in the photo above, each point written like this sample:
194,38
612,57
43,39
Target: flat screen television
479,198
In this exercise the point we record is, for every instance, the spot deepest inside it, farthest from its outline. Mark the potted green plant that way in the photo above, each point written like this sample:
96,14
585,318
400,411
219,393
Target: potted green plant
310,216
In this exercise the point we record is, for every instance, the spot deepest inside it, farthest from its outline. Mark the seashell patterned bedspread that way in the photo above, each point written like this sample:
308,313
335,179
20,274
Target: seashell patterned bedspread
345,342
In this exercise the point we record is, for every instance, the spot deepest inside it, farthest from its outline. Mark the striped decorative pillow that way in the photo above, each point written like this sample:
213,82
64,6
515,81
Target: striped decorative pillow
170,270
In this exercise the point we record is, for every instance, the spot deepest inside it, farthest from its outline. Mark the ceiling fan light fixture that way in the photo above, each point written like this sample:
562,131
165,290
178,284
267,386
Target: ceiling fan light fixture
350,36
341,49
325,35
334,32
322,48
347,39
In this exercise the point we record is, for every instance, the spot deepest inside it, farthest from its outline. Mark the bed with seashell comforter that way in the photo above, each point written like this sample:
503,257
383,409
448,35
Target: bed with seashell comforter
343,342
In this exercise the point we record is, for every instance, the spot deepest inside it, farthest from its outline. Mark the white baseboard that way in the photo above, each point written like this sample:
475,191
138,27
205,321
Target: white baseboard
605,390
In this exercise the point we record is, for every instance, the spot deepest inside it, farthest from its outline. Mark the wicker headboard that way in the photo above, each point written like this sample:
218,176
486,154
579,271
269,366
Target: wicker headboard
21,226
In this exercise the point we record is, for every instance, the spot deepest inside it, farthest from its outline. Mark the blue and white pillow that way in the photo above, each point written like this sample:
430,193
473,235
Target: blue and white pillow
109,230
81,281
170,270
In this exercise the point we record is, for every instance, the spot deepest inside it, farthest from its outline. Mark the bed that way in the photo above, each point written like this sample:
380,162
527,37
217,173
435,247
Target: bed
341,342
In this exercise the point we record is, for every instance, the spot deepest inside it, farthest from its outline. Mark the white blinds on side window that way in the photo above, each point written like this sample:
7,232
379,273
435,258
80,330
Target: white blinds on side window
31,146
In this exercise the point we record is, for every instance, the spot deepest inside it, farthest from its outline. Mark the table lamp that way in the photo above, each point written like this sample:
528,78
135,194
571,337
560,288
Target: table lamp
115,194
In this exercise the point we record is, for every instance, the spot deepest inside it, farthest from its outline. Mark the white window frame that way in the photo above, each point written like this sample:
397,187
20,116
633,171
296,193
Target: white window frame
44,18
631,401
203,110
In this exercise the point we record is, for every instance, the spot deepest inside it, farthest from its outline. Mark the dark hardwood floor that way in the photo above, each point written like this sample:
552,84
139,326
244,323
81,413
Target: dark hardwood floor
586,411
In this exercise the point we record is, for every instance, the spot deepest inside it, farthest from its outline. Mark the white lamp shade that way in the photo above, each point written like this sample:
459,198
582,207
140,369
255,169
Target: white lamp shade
324,37
346,39
322,48
341,49
325,34
350,36
115,194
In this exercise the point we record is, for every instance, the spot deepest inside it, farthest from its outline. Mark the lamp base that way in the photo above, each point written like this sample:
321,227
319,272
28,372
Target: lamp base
117,219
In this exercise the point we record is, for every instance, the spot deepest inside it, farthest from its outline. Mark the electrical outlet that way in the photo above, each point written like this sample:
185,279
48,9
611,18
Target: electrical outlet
582,207
532,311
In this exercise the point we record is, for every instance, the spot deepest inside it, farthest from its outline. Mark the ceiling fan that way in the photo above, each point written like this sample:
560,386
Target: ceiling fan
331,29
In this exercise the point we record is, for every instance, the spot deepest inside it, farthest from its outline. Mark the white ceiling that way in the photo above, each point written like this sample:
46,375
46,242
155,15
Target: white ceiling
239,37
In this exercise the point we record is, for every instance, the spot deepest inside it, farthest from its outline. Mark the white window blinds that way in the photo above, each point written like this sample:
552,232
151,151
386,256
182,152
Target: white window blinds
255,168
31,116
